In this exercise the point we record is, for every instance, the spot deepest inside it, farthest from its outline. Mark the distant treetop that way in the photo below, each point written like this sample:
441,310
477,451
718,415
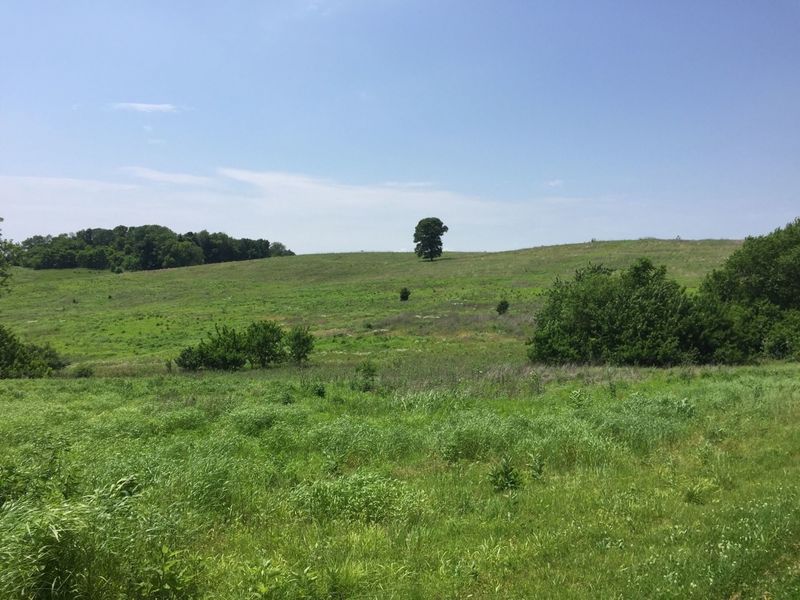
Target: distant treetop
141,248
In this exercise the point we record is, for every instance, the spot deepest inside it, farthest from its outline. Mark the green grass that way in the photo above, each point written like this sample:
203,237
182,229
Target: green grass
131,323
460,471
630,484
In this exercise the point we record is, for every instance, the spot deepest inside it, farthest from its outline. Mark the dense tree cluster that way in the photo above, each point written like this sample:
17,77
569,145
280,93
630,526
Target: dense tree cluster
748,308
140,248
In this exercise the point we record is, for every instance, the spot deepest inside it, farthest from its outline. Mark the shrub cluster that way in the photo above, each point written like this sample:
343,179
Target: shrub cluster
750,307
640,317
18,359
262,344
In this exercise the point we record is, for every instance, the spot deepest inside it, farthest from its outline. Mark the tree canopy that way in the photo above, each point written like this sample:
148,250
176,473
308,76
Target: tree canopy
638,316
428,238
746,309
141,248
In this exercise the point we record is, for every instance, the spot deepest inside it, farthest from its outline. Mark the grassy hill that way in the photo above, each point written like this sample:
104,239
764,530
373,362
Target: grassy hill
459,470
134,321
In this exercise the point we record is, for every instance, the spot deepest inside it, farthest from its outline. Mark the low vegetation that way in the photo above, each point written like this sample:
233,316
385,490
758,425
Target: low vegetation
681,483
21,360
418,454
262,344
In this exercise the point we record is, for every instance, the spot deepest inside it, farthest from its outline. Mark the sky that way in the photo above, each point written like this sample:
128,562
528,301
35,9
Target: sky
335,125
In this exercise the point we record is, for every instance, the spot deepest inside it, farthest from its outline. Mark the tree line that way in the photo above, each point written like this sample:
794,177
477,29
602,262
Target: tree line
142,248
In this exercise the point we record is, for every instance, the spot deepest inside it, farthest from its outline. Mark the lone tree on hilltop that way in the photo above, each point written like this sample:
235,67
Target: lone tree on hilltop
428,238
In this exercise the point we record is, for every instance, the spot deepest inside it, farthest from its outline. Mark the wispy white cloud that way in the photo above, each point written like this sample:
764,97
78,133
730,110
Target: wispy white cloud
165,177
554,183
325,215
312,214
143,107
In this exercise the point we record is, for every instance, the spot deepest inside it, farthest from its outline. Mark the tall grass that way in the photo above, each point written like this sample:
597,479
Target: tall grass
511,483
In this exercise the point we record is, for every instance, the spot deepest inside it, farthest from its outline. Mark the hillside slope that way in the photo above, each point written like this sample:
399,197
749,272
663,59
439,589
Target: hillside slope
137,320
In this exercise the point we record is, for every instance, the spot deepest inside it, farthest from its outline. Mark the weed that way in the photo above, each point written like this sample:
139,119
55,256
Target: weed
365,377
535,466
504,477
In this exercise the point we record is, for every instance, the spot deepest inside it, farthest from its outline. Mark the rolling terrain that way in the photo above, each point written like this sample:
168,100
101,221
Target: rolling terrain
453,468
133,322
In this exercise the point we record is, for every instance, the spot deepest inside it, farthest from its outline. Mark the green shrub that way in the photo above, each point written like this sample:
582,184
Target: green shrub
189,359
300,343
225,349
765,268
21,360
638,317
365,377
264,343
405,294
502,307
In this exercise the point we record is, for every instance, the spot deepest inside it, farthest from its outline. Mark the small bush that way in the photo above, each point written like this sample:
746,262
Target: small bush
299,343
405,294
264,343
225,349
502,307
504,477
364,380
189,359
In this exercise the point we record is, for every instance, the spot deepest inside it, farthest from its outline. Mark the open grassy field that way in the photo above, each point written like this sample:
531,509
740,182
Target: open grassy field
458,470
133,322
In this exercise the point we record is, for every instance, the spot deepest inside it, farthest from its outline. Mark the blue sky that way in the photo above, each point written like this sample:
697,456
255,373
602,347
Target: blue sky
335,125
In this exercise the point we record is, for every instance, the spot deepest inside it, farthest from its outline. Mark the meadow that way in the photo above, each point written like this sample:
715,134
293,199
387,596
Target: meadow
418,455
131,323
